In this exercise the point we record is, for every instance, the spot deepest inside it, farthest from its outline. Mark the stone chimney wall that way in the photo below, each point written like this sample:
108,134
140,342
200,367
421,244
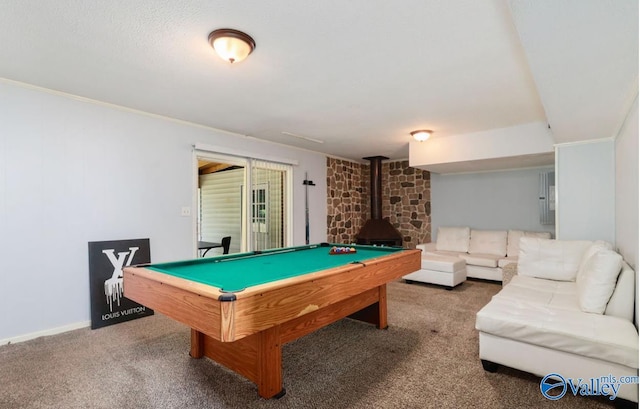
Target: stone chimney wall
347,199
406,200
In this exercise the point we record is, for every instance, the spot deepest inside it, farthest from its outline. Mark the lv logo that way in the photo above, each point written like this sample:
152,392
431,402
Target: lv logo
113,289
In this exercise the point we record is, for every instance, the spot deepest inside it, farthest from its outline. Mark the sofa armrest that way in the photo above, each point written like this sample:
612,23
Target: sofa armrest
427,247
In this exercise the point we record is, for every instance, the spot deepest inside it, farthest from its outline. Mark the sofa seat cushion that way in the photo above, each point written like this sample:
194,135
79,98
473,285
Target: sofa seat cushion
482,260
556,294
532,295
488,242
556,287
507,260
597,336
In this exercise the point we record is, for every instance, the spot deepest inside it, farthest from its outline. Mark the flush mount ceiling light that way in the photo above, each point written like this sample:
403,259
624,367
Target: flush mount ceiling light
421,135
231,45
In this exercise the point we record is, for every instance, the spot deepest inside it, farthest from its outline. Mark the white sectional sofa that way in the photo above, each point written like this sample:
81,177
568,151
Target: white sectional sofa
486,252
568,311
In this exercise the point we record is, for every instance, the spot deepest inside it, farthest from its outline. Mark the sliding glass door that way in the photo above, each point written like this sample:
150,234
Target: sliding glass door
257,218
269,209
220,207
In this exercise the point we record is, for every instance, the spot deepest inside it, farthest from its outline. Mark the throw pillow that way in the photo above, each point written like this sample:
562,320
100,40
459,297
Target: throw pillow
598,280
593,249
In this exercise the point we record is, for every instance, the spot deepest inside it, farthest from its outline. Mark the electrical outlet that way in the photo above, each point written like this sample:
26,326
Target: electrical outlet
186,211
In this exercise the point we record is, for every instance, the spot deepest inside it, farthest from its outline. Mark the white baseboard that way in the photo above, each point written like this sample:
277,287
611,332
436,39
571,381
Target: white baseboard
51,331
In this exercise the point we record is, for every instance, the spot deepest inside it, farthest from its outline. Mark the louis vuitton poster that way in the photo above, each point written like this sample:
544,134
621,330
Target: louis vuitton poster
106,261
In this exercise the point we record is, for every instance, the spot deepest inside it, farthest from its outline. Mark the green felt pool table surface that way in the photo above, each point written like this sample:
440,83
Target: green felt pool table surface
236,272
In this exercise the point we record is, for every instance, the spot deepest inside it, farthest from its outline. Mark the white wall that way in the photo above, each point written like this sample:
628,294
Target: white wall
491,200
626,151
586,191
529,139
73,171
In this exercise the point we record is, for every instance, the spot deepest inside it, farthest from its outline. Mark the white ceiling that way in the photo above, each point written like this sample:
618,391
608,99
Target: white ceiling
358,75
495,164
584,59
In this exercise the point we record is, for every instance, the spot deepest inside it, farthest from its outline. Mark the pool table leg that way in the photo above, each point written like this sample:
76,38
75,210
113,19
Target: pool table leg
375,313
270,364
382,307
258,357
197,344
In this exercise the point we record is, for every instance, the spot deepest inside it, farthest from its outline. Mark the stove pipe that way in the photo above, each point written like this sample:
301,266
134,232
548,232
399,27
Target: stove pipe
376,230
375,174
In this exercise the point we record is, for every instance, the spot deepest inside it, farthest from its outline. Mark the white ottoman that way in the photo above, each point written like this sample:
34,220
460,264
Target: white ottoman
441,270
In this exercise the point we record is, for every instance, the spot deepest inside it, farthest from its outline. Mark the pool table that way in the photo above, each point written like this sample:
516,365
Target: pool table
242,308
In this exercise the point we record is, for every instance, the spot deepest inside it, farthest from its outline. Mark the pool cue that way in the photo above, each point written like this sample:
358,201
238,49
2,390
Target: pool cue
255,254
260,253
306,209
306,184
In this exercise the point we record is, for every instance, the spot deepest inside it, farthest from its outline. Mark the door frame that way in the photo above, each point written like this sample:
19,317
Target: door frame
247,163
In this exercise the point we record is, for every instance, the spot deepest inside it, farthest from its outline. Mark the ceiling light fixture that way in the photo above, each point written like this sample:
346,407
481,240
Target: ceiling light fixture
231,45
421,135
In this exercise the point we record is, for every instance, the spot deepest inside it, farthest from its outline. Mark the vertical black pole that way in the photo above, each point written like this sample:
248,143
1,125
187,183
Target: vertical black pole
306,184
306,209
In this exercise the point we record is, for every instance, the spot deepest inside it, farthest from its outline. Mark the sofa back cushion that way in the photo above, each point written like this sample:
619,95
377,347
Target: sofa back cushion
492,242
513,240
551,259
453,239
598,280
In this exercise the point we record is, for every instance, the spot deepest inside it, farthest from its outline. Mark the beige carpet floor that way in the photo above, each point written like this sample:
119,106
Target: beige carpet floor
428,358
